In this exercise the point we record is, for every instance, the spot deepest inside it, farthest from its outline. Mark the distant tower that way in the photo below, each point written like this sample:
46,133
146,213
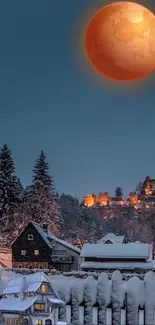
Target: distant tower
89,199
133,197
148,186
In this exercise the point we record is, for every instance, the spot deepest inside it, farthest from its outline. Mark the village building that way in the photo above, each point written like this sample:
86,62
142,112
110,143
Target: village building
38,247
127,258
30,299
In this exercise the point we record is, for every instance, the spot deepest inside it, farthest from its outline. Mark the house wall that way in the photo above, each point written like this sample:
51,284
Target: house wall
6,257
43,318
111,260
33,318
15,315
58,248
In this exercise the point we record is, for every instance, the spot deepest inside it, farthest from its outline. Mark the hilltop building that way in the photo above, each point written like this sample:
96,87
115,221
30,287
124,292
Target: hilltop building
148,186
147,192
103,199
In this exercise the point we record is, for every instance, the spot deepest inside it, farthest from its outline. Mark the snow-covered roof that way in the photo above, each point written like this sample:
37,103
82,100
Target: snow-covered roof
56,301
118,265
110,251
16,304
112,237
32,283
48,235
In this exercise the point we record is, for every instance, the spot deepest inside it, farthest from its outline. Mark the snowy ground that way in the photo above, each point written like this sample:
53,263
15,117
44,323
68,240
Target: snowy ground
103,301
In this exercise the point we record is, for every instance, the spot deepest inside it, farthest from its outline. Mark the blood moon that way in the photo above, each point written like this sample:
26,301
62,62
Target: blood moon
120,41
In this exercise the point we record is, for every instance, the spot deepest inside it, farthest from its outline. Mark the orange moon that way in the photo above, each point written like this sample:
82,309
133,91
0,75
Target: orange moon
120,41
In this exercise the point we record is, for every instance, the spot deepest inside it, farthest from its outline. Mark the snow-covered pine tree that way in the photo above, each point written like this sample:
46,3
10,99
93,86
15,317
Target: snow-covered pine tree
40,199
9,189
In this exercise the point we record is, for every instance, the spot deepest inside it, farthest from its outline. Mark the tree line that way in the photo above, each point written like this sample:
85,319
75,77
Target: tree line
65,215
40,202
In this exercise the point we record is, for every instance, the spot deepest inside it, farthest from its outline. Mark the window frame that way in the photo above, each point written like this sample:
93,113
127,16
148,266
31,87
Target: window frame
45,288
36,250
30,237
39,304
39,322
23,250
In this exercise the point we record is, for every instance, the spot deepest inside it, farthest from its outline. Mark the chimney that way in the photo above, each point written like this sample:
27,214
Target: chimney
45,227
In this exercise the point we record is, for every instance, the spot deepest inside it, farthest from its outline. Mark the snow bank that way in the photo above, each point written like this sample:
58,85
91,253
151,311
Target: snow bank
62,287
133,301
77,294
117,297
103,297
149,291
90,290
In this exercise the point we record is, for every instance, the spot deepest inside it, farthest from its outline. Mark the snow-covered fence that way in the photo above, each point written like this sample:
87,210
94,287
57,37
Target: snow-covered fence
107,302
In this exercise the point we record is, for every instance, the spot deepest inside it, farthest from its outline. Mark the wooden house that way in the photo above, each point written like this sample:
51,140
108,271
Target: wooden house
37,247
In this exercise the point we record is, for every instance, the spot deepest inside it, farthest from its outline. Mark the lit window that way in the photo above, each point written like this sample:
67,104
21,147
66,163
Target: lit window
16,295
36,252
30,237
39,306
39,322
51,309
15,320
30,294
10,320
23,252
5,296
21,320
43,288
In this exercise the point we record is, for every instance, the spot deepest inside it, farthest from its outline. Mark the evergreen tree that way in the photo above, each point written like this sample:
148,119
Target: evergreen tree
80,223
9,188
139,189
40,173
41,201
118,192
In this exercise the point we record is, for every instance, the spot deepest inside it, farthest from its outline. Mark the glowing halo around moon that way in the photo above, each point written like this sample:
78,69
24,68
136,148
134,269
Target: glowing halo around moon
120,41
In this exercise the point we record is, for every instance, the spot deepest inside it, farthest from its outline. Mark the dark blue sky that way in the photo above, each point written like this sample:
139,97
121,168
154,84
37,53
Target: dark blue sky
96,134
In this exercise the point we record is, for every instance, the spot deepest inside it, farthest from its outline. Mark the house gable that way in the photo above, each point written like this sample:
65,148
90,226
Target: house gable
29,246
108,242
